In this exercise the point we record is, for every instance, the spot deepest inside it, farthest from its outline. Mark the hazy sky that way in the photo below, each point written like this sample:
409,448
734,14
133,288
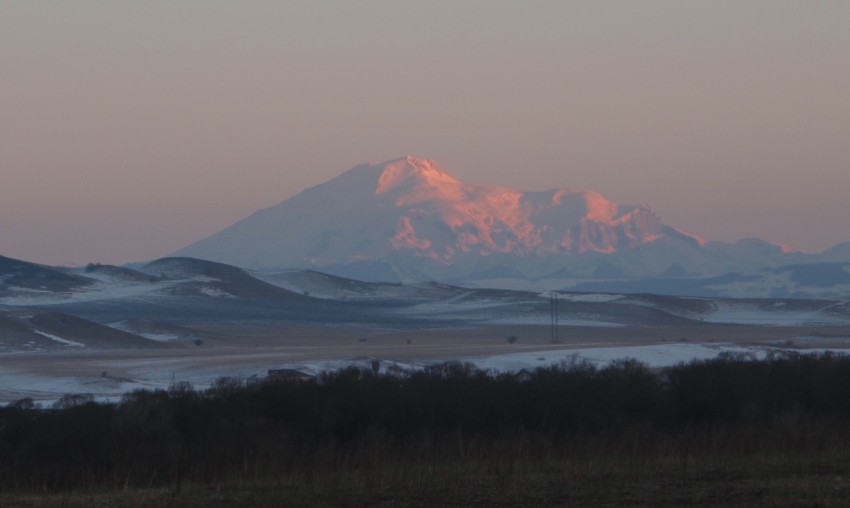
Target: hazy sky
129,129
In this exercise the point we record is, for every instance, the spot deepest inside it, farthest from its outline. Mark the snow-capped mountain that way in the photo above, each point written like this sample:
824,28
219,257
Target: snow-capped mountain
407,219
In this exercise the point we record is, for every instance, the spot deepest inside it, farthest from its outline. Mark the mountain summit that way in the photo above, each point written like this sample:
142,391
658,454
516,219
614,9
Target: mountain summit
408,218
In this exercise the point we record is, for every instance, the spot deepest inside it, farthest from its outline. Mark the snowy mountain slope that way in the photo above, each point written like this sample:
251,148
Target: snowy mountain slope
414,217
408,220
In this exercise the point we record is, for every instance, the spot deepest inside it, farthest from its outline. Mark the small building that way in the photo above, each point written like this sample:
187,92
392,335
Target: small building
289,375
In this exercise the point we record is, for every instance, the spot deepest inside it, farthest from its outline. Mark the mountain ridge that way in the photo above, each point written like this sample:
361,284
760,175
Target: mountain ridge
408,219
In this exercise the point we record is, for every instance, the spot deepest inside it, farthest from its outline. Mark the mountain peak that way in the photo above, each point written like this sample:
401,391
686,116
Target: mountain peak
411,173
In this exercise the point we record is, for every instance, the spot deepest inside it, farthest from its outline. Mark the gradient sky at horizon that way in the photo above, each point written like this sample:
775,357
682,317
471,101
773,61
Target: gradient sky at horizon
131,129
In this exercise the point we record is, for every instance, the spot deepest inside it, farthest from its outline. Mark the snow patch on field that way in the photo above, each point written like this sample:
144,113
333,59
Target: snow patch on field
46,390
563,320
159,336
587,297
653,356
777,316
215,292
60,339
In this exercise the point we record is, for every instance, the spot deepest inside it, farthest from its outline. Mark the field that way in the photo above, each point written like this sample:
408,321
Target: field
782,480
251,350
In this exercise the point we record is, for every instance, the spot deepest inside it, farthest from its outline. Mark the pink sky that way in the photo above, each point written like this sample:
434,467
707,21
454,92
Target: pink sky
131,129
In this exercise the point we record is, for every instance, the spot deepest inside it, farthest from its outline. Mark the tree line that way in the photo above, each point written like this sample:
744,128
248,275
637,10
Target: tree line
447,411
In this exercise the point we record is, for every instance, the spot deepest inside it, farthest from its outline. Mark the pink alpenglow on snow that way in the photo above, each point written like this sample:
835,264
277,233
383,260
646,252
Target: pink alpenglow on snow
410,212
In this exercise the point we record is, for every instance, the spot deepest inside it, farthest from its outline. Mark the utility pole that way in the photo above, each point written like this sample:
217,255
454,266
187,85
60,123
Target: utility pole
553,314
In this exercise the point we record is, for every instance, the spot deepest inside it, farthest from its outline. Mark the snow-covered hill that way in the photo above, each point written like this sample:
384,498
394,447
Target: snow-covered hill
108,330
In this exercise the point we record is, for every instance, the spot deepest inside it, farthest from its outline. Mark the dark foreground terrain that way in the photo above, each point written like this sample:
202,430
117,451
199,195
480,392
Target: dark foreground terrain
727,432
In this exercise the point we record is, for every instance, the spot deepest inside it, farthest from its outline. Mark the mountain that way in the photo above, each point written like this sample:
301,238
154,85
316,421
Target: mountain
409,220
